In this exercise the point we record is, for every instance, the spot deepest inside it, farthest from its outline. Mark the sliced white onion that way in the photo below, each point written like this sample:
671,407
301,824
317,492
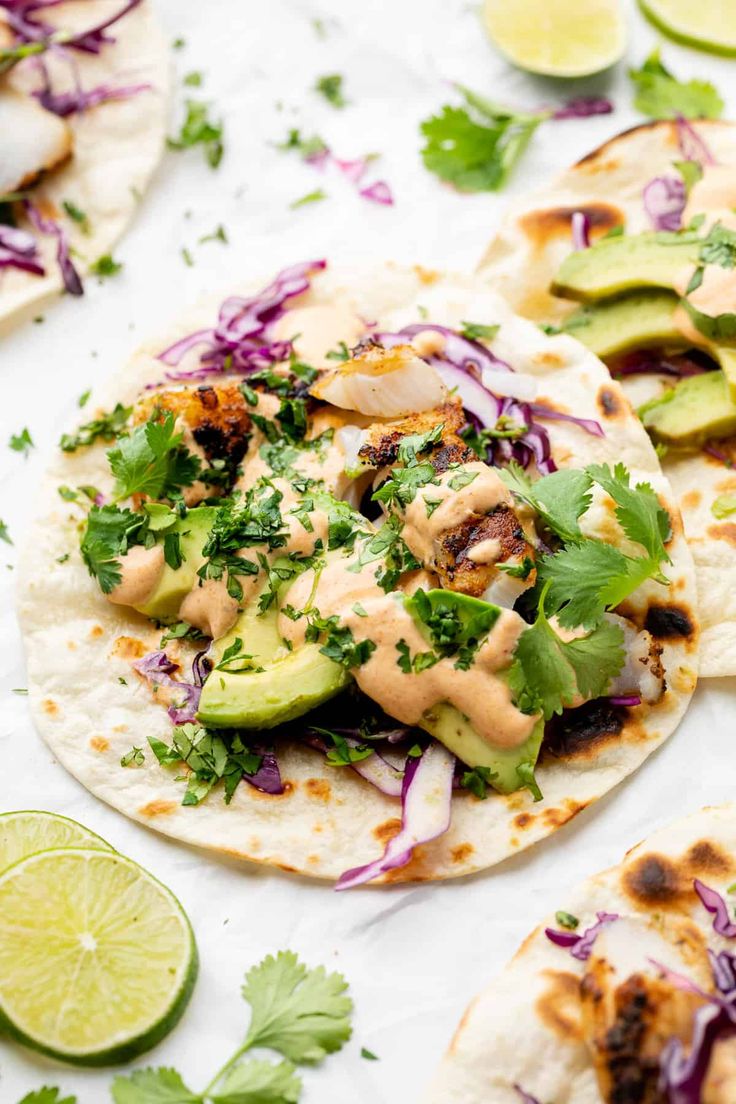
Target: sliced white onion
514,384
384,383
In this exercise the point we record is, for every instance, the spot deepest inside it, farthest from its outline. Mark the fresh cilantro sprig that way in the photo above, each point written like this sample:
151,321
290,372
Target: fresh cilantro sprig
476,146
106,428
211,758
152,461
109,533
47,1095
660,95
21,442
302,1014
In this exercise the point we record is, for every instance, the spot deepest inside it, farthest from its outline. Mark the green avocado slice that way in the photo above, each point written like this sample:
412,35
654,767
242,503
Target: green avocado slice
175,583
638,320
290,684
628,263
448,725
696,410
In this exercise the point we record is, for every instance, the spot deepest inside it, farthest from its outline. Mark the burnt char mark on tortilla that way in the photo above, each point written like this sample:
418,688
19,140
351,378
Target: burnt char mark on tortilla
632,1078
610,403
542,224
578,732
659,882
668,622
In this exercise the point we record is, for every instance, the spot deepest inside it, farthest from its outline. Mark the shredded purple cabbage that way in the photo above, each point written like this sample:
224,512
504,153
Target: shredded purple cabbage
267,778
461,363
630,699
21,17
378,192
692,146
580,230
68,103
580,945
18,249
69,274
718,454
665,198
426,801
524,1096
580,107
240,342
157,668
375,768
715,904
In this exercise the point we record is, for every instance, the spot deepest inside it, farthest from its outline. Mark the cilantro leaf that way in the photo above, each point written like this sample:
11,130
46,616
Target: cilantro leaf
579,579
303,1014
22,442
330,86
560,499
638,510
5,533
475,147
547,672
198,130
47,1095
110,532
152,461
105,266
660,95
152,1086
259,1082
477,331
107,427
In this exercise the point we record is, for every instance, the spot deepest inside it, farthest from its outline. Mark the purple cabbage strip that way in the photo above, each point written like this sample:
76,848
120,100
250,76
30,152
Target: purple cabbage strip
692,146
580,107
524,1097
715,904
426,804
717,454
267,778
665,198
69,274
68,103
630,699
240,341
375,768
580,230
723,965
27,29
18,249
539,410
378,192
157,668
581,945
682,1073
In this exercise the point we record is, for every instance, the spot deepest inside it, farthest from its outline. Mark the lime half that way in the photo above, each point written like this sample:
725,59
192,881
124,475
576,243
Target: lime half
97,958
708,24
31,830
559,38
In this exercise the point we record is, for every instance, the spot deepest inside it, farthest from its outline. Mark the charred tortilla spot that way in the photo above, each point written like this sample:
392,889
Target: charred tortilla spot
386,831
318,788
157,808
558,1007
669,622
523,820
129,647
726,532
555,222
609,402
462,852
96,632
691,500
99,743
583,731
656,882
705,858
633,1077
49,707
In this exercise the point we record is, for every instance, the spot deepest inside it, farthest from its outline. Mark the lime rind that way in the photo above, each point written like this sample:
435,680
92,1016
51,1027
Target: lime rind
23,832
52,939
652,10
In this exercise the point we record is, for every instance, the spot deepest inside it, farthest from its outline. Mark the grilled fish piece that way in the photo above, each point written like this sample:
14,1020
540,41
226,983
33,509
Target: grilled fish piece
381,441
34,141
216,418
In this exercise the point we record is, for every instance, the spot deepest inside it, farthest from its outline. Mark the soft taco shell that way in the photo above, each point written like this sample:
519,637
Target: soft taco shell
525,1028
116,145
80,647
521,261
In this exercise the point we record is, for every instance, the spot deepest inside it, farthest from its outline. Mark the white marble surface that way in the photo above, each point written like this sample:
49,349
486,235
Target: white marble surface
413,956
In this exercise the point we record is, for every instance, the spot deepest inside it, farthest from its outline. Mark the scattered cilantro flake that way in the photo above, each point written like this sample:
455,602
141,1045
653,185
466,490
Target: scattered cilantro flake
198,130
84,398
4,533
21,442
178,44
133,758
330,86
106,266
311,197
566,920
77,215
476,146
307,148
341,353
193,79
188,258
67,493
660,95
476,331
359,609
477,781
220,234
718,248
20,690
368,1054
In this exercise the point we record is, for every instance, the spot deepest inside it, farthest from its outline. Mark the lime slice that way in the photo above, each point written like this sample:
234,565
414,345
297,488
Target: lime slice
97,958
708,24
559,38
29,830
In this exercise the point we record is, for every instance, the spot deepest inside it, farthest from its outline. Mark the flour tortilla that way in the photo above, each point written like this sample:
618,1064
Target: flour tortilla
79,646
521,262
525,1027
117,145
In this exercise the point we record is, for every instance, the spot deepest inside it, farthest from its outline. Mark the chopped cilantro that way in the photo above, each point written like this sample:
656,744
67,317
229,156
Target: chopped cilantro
106,266
21,442
660,95
476,331
4,533
475,147
315,196
84,398
414,664
402,485
133,758
193,79
462,479
341,353
525,774
330,87
307,148
187,257
719,247
455,623
109,533
220,234
198,130
567,920
368,1054
478,780
235,660
77,215
343,754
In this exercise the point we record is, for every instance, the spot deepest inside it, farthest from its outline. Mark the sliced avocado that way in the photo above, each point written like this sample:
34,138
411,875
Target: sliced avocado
174,584
290,685
448,725
451,618
639,320
631,262
696,410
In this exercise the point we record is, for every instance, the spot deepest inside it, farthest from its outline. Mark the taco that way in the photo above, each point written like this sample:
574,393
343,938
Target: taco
350,561
633,251
83,102
627,993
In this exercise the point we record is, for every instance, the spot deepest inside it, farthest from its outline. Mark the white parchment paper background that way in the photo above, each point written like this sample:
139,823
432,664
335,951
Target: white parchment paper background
413,956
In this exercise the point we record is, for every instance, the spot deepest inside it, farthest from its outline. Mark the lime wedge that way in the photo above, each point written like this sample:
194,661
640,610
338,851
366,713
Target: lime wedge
97,958
29,830
708,24
559,38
